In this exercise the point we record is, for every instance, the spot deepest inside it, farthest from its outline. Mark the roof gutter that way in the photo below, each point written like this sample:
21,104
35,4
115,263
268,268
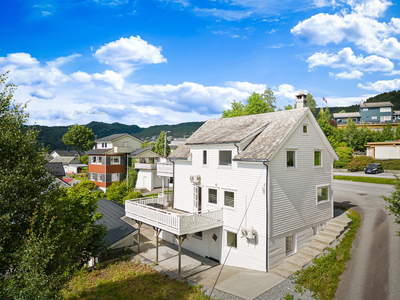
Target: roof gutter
251,160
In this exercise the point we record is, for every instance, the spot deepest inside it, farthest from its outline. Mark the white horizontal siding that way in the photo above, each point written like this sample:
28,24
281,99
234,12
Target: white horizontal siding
293,203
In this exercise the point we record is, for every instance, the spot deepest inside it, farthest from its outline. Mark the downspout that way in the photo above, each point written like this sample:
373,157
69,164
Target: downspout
173,189
267,216
234,143
105,171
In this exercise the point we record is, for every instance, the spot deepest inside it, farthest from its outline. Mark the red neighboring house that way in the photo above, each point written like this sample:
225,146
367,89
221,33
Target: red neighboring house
108,159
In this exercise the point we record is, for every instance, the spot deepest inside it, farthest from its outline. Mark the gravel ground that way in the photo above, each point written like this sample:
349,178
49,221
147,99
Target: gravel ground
277,292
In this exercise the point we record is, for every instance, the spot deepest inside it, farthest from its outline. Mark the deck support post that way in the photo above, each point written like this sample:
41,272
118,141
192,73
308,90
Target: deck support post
180,239
157,232
139,225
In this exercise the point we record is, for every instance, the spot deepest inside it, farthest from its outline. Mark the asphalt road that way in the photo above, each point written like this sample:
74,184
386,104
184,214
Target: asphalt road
373,272
362,174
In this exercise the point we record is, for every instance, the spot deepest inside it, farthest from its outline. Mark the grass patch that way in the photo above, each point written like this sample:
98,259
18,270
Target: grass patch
366,179
322,277
128,280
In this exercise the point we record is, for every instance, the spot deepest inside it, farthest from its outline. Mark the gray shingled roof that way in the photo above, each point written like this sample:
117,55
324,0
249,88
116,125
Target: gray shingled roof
396,112
112,212
138,151
347,115
66,160
98,151
111,137
274,128
55,168
376,104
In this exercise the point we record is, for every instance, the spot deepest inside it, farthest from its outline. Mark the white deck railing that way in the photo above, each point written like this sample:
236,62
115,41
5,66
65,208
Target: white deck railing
144,166
145,210
165,169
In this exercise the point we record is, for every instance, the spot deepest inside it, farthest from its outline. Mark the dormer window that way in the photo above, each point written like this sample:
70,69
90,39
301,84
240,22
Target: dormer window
225,158
103,145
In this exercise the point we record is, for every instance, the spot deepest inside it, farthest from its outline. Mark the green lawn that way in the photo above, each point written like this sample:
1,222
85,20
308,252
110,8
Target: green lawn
366,179
322,277
128,280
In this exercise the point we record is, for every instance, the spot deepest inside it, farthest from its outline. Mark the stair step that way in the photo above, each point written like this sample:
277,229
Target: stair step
338,223
328,234
309,251
343,218
298,260
323,239
284,270
316,245
332,230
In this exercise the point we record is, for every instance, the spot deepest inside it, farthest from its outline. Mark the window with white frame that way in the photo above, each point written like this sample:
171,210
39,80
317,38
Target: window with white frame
93,176
212,196
100,160
291,158
225,158
305,128
229,198
94,159
231,239
374,118
317,158
115,177
385,118
290,244
385,109
322,194
365,109
103,145
204,157
101,177
115,160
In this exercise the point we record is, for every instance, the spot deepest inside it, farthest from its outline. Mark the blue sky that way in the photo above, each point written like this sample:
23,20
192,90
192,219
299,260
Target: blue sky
170,61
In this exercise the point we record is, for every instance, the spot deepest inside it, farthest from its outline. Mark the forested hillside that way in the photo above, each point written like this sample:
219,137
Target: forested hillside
51,137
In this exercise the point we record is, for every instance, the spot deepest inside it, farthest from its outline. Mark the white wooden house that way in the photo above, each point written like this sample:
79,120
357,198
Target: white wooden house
261,184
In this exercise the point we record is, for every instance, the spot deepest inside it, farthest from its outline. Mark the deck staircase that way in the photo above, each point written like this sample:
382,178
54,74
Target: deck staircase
328,234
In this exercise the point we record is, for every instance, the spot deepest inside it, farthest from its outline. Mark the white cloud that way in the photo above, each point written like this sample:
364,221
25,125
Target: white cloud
347,75
127,53
286,91
381,85
347,101
19,59
323,3
359,27
393,73
112,78
247,86
81,76
40,93
60,61
229,15
345,58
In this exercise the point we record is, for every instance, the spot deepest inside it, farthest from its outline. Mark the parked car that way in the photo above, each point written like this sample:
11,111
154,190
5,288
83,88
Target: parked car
374,168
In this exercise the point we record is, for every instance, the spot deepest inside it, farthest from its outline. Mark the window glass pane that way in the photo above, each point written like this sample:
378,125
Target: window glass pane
212,196
317,158
322,194
225,158
199,234
290,156
305,128
229,199
204,157
231,239
289,244
100,159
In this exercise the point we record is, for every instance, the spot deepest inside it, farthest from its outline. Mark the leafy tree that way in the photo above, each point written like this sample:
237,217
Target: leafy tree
256,104
80,137
397,133
331,132
387,133
86,185
350,133
363,136
311,103
117,191
393,201
342,111
38,219
345,155
288,107
159,147
132,195
132,175
144,144
85,159
237,110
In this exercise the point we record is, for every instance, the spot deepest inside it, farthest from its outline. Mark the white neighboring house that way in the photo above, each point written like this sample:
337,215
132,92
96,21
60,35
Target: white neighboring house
262,184
70,163
146,163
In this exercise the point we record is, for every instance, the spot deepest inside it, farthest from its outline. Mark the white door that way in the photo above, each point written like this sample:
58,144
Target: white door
144,181
196,198
215,240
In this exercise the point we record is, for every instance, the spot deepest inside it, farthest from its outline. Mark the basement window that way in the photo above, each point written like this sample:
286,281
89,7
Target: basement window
231,239
290,244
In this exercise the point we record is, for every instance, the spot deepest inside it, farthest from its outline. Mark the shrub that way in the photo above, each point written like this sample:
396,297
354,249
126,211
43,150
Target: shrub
345,155
133,195
358,163
390,164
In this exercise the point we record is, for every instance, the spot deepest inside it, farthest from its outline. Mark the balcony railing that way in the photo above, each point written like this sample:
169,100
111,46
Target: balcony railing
153,211
143,166
165,169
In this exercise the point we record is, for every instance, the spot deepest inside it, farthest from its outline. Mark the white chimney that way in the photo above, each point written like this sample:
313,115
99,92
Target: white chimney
301,100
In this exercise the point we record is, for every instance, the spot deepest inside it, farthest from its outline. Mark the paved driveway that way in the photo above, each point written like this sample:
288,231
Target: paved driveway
373,272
